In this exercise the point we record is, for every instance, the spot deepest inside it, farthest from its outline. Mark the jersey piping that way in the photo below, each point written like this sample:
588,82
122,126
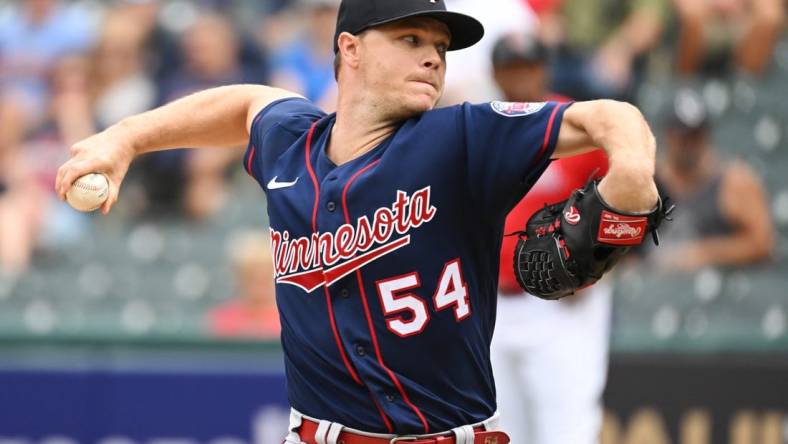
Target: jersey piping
337,339
548,134
367,312
249,161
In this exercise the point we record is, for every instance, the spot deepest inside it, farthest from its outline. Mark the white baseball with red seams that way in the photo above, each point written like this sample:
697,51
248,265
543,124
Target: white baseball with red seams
88,192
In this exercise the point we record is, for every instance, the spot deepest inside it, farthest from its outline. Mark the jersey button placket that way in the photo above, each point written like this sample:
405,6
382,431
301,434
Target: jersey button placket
331,206
360,350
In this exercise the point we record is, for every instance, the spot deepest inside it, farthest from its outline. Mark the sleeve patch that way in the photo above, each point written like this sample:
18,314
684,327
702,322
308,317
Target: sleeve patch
517,109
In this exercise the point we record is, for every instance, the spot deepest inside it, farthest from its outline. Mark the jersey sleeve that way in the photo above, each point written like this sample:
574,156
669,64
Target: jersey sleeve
509,146
275,128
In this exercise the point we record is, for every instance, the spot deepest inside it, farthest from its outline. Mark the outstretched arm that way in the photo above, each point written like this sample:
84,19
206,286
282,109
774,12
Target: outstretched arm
621,130
219,117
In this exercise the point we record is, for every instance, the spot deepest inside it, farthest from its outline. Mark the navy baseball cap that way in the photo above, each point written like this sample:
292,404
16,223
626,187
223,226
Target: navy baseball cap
688,113
518,48
356,16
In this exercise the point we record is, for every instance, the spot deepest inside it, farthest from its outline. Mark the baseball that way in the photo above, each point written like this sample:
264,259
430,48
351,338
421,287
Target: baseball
88,192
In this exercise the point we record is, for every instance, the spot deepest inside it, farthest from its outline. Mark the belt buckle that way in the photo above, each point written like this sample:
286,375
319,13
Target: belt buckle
397,439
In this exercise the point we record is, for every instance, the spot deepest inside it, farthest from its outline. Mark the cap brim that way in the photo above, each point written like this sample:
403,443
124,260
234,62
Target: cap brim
465,30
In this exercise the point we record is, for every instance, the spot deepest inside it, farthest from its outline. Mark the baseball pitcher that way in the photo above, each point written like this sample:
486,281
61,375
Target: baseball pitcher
386,219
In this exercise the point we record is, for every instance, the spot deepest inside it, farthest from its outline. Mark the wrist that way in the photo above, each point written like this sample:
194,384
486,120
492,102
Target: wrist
122,135
632,191
632,164
634,173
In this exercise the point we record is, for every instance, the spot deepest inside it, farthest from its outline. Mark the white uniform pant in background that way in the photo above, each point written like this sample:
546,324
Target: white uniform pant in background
550,365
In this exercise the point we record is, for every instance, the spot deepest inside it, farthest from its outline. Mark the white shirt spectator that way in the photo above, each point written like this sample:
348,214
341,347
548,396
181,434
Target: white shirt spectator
469,77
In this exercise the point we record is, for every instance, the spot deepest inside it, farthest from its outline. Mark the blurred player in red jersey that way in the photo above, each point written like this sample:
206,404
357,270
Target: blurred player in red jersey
549,357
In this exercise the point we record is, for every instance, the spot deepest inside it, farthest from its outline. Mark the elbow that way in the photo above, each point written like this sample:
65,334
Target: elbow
611,106
613,115
632,111
758,243
763,246
615,112
608,115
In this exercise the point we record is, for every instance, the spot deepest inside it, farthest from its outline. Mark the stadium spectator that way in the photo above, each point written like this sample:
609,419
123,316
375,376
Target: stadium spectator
160,49
476,84
306,65
33,35
121,87
27,207
600,45
211,51
715,34
252,311
19,219
543,378
722,216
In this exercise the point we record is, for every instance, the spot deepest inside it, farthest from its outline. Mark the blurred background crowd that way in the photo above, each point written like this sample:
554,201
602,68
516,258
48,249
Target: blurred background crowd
185,254
710,76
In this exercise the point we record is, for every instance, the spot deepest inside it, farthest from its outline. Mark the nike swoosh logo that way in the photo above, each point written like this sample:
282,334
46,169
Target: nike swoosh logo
274,185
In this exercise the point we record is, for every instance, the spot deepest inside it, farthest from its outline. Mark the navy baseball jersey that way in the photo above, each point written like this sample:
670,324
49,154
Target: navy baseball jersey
387,266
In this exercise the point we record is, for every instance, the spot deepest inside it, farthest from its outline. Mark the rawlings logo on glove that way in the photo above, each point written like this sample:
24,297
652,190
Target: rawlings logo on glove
621,230
572,244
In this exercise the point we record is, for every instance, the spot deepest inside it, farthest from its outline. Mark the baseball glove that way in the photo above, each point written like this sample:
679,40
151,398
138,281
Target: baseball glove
569,245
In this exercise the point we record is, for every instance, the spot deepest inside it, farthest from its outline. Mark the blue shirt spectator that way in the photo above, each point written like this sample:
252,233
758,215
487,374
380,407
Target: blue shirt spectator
306,65
314,72
32,36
